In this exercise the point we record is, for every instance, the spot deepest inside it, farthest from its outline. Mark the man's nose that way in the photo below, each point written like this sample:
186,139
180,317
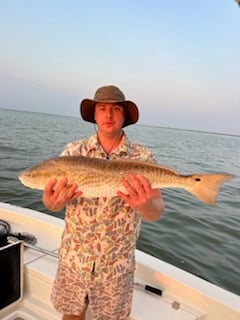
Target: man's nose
109,112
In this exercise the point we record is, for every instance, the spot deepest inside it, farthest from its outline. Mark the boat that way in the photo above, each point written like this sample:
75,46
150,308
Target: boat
161,290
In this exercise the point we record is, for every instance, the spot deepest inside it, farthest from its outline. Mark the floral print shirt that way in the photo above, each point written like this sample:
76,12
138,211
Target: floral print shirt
100,234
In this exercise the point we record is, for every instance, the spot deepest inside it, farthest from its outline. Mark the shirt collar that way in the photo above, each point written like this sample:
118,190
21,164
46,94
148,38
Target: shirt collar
122,149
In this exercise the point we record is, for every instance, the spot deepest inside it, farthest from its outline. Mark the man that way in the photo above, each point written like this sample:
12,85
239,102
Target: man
96,257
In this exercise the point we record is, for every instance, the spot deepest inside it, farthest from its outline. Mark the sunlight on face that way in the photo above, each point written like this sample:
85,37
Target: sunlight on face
110,116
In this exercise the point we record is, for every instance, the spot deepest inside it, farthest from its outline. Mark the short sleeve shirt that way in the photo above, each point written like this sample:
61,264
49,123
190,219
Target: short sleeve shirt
100,234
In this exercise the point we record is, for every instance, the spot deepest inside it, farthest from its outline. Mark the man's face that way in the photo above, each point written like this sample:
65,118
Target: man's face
109,116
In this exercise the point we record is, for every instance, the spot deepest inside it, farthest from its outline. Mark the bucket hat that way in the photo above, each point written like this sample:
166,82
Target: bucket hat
109,94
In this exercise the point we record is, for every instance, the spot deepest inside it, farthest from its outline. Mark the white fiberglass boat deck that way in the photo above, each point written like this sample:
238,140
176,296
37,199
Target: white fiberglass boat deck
184,296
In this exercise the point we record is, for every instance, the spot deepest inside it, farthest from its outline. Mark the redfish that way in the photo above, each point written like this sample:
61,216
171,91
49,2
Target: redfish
102,178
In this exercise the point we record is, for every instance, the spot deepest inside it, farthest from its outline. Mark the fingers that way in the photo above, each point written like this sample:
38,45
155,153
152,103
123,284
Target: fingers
140,196
58,193
60,188
138,190
65,191
50,186
72,192
137,185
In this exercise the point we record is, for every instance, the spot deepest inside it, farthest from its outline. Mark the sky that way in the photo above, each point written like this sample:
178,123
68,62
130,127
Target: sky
177,60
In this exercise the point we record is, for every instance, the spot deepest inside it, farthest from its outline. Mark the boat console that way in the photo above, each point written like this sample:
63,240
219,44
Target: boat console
11,272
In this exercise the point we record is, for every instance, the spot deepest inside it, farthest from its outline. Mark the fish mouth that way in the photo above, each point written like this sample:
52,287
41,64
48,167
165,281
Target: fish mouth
22,177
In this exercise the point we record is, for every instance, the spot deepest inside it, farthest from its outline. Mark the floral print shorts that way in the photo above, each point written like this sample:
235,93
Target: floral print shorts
111,300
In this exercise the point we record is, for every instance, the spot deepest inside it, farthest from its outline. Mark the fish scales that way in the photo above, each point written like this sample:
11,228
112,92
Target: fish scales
99,177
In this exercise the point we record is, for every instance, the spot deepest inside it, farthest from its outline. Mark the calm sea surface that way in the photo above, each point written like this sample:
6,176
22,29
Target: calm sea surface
200,239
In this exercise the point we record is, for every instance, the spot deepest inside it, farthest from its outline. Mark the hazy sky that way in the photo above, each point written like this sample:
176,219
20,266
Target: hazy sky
178,60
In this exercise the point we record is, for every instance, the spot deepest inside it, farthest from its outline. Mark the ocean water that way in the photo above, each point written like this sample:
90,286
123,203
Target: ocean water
198,238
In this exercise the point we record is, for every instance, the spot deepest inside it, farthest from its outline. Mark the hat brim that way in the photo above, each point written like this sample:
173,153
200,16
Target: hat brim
87,109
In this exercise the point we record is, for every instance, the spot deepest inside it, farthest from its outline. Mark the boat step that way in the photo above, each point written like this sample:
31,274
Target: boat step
21,315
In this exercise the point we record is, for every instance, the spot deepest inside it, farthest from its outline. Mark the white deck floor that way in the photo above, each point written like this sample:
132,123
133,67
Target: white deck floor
178,301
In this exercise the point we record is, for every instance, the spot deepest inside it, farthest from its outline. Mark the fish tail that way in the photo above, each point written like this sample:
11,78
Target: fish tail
206,186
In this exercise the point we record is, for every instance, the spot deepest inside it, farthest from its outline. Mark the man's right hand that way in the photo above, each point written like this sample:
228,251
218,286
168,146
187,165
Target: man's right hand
57,194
